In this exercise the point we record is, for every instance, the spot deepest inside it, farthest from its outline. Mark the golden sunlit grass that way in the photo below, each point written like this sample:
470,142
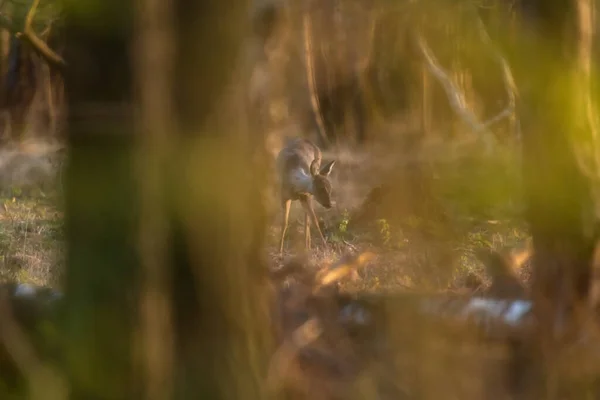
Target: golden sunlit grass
32,250
477,197
31,240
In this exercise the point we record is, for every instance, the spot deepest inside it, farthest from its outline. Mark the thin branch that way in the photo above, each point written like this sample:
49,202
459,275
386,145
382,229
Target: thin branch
31,14
455,96
365,61
38,44
310,76
29,36
507,76
506,113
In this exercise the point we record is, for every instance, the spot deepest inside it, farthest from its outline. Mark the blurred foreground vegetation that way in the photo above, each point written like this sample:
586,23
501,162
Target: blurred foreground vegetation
456,126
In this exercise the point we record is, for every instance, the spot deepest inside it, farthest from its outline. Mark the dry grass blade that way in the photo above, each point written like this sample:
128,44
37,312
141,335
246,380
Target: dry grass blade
365,257
307,333
326,278
519,257
280,362
344,267
45,383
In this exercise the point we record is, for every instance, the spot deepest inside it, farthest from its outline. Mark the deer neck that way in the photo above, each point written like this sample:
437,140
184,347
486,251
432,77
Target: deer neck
301,181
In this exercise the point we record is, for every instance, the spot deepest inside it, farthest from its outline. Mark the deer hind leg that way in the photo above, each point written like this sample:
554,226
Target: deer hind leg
307,231
308,208
286,217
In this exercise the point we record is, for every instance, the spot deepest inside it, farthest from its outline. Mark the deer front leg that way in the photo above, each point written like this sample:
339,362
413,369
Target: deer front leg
307,231
308,208
286,216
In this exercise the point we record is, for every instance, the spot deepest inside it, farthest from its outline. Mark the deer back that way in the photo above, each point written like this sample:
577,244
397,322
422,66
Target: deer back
294,161
297,154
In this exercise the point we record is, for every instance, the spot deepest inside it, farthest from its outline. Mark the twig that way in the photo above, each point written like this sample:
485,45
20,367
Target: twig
455,96
38,44
31,14
507,76
28,35
352,247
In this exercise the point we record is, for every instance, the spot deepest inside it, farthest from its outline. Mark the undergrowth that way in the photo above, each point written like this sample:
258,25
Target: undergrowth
31,240
31,219
479,205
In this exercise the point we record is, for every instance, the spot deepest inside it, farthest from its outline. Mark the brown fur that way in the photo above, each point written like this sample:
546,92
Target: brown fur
302,178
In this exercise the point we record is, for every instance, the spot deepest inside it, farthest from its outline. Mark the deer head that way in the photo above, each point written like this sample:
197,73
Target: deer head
321,186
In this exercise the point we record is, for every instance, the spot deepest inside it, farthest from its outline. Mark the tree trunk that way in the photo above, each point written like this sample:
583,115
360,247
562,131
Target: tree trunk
165,228
559,205
100,200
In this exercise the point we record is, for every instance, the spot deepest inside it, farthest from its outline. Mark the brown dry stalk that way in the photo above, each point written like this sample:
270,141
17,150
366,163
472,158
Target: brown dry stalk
310,75
585,107
44,382
284,356
154,66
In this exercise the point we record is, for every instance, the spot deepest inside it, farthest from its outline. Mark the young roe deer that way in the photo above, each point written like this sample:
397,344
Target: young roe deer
302,178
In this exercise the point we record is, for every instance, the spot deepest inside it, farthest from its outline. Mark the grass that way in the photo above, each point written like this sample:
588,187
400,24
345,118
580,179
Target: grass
32,246
32,250
477,196
30,241
31,222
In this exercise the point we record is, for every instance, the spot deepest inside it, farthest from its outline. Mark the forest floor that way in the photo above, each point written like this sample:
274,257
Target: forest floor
32,246
31,217
410,253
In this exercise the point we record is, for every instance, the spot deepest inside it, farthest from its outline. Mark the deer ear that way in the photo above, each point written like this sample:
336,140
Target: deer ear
326,170
314,167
